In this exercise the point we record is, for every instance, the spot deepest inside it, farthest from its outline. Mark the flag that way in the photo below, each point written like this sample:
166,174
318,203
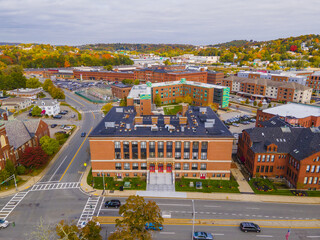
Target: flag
288,234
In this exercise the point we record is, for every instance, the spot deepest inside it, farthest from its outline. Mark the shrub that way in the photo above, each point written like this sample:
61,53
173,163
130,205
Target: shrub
21,170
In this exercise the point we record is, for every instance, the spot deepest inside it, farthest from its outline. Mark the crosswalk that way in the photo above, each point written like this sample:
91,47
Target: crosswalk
53,186
88,210
8,208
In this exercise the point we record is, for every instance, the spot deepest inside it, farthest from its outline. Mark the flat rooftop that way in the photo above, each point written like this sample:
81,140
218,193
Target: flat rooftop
191,83
138,90
200,122
296,110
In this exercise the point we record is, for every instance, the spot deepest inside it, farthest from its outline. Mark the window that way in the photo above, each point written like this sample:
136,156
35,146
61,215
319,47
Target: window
194,166
117,145
315,180
177,166
308,168
143,166
134,150
194,175
186,174
213,175
135,166
218,175
271,168
177,155
267,169
186,155
272,159
126,166
313,168
177,175
143,150
318,168
262,168
186,146
127,174
310,180
223,175
203,166
259,158
118,166
135,174
186,166
178,146
118,155
305,180
268,158
203,155
204,146
263,158
258,169
126,150
108,174
160,149
169,154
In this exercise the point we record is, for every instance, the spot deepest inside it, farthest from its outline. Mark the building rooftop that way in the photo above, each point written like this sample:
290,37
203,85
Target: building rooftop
139,91
198,122
275,121
296,110
191,83
46,102
121,85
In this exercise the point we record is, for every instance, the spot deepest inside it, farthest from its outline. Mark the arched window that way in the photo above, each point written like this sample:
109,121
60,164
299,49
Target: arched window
3,141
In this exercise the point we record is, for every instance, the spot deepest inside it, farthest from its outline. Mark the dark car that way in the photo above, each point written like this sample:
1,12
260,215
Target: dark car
63,112
83,134
151,226
112,204
62,132
202,235
54,125
57,116
249,227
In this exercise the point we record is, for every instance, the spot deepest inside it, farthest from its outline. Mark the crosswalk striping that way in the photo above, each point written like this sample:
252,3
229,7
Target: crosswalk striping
88,210
14,201
53,186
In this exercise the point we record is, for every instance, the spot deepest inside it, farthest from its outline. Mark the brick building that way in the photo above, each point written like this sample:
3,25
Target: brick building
196,144
164,75
291,153
296,114
16,135
259,88
102,75
120,90
215,77
313,81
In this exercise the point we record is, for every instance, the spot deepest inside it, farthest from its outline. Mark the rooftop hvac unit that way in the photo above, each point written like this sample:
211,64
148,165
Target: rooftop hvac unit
109,124
119,110
208,125
203,110
211,121
128,126
154,128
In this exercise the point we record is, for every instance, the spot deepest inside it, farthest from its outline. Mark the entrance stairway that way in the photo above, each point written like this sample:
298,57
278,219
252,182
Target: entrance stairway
160,182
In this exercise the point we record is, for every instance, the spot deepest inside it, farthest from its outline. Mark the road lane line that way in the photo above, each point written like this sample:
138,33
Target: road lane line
252,208
100,206
167,233
313,236
75,154
94,117
75,100
57,168
168,204
217,234
266,236
211,206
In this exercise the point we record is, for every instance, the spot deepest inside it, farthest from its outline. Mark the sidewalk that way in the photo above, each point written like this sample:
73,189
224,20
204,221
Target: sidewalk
32,180
205,196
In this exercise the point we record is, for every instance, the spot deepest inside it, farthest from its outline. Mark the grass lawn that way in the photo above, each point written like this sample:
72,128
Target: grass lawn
172,110
208,186
5,187
270,188
137,183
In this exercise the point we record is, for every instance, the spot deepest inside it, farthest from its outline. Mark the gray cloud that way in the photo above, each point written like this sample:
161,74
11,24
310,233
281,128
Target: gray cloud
76,22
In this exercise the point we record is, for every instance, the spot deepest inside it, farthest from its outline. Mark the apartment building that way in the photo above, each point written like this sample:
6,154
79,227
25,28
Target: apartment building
25,92
215,77
291,153
102,75
120,90
296,114
259,88
15,104
50,107
313,82
195,144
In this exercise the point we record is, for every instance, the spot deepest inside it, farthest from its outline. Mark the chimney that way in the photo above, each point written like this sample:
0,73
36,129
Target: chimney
5,116
183,120
154,120
184,108
138,120
166,120
137,110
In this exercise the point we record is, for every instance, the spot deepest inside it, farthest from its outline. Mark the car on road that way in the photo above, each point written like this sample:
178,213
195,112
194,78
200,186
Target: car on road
151,226
202,235
249,227
63,112
54,125
4,223
57,116
83,134
114,203
73,116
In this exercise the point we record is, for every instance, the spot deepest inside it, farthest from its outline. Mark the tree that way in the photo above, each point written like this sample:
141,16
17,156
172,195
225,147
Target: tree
247,101
255,103
167,62
65,231
108,67
36,111
157,100
11,169
91,231
136,82
42,232
269,105
127,81
135,214
4,175
33,83
33,157
260,104
123,102
187,99
47,83
49,145
106,108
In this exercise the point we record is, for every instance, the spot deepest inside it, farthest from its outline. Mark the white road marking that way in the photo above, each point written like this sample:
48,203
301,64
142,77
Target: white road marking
211,206
266,236
252,208
313,236
167,204
100,207
57,169
217,234
167,233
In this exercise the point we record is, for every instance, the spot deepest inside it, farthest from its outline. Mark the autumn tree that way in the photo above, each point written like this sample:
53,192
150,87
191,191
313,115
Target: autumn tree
36,111
135,214
33,157
157,100
47,83
49,145
260,104
33,83
106,108
255,103
109,67
136,82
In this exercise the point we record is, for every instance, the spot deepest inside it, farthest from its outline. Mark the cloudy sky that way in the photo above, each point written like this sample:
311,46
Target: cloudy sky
198,22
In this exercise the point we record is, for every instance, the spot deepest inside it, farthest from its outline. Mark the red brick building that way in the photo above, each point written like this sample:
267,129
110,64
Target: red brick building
120,90
283,152
16,135
103,75
196,144
215,77
313,81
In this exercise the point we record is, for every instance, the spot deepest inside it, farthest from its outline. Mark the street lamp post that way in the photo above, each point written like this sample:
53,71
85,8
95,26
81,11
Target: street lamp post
193,217
104,186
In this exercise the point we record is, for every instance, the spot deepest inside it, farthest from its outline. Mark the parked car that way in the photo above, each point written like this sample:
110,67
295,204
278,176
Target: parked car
252,120
151,226
249,227
202,235
57,116
61,132
54,125
62,126
73,115
245,123
67,128
83,134
4,223
235,124
112,204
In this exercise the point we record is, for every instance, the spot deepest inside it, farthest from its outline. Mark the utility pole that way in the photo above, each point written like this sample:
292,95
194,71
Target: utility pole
104,186
193,218
10,178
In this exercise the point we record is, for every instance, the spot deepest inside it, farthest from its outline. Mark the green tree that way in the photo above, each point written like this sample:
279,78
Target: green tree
123,102
255,103
167,62
91,231
247,101
109,67
157,100
135,214
47,83
49,145
187,99
106,108
11,169
33,83
260,104
36,111
269,105
136,82
4,175
127,81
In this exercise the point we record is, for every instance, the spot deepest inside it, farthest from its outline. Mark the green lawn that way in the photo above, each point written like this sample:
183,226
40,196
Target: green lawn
272,188
172,110
137,183
208,186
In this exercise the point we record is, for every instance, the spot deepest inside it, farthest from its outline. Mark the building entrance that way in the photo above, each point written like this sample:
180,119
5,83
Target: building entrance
160,168
169,168
152,168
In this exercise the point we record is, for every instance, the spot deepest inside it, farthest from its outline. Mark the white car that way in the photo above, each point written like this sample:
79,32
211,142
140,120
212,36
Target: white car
67,128
3,223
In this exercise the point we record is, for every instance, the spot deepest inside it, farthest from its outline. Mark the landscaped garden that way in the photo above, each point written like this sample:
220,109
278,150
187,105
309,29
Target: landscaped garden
207,185
172,110
136,183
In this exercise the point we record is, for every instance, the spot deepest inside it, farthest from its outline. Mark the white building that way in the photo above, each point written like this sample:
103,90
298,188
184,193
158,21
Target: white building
51,106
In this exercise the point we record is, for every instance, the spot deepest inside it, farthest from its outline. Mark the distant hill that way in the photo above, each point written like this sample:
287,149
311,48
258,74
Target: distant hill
234,43
6,43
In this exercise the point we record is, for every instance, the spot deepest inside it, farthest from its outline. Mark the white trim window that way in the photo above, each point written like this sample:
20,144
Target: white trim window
305,180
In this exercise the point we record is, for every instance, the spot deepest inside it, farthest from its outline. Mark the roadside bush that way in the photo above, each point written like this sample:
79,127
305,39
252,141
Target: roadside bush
21,170
61,137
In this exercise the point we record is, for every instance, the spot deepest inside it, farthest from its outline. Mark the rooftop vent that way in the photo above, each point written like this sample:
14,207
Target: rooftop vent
109,124
285,129
119,110
203,110
154,128
315,130
128,126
